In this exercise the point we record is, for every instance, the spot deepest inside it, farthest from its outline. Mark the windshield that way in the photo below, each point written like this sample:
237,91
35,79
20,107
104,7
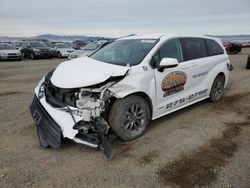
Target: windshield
37,44
4,46
91,46
18,44
123,52
63,45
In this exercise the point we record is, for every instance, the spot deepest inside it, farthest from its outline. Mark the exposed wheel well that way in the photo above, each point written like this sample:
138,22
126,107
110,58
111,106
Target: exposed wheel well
222,74
140,94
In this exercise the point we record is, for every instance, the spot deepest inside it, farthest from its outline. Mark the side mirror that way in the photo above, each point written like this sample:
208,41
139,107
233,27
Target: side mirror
167,63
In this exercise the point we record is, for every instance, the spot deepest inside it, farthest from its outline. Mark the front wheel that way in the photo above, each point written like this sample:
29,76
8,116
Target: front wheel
217,89
59,55
32,56
129,117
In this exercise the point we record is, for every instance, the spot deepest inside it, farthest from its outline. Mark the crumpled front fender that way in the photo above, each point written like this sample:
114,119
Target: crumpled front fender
123,90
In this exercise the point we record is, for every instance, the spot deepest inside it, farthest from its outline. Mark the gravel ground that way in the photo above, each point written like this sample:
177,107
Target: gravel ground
204,145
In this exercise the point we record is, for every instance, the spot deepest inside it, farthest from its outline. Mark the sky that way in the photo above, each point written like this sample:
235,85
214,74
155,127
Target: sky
113,18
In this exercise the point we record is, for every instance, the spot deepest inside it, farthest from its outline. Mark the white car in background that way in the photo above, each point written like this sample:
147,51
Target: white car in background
9,52
90,48
63,49
123,86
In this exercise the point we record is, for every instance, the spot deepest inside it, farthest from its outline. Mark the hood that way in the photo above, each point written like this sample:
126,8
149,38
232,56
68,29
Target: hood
10,51
83,72
66,49
41,48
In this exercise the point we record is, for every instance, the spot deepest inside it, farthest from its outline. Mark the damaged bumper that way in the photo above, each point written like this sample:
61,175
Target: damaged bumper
53,127
53,123
56,115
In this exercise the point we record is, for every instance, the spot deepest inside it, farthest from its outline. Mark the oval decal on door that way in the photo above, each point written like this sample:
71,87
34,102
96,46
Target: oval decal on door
174,82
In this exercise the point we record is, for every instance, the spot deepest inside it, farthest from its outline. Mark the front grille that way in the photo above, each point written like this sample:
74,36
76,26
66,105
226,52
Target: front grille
9,54
12,56
44,50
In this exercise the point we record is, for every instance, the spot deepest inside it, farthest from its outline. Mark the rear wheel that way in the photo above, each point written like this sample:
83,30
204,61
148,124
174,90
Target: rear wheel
129,117
217,89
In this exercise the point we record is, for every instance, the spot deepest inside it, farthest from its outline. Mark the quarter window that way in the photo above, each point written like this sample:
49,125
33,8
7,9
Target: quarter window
213,48
193,48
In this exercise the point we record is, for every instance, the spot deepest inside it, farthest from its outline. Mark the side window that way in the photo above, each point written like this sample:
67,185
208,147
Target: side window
193,48
171,49
213,47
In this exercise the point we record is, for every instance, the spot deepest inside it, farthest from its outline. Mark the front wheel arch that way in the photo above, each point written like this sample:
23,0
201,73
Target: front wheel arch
140,94
220,77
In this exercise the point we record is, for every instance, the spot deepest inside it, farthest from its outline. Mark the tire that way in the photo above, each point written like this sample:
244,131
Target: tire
248,62
129,117
217,89
22,55
59,55
32,56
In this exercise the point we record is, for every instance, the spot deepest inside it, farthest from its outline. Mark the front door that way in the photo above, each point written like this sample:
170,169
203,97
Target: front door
172,84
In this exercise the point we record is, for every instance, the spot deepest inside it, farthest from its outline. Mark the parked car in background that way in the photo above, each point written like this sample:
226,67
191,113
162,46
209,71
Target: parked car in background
233,48
35,49
18,44
8,51
78,44
50,45
90,48
63,49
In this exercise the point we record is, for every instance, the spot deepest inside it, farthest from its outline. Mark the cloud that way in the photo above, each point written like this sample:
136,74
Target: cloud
121,17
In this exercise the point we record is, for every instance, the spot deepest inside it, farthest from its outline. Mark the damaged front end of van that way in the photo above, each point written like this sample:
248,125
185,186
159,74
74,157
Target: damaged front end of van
65,106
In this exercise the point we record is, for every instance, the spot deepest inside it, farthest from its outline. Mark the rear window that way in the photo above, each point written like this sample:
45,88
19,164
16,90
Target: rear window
193,48
213,48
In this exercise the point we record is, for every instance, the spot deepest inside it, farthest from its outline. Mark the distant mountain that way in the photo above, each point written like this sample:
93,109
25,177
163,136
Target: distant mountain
233,38
68,37
225,38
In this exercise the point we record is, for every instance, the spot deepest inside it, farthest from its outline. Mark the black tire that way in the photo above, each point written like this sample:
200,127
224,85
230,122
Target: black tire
22,55
248,62
217,89
32,56
129,117
42,137
59,55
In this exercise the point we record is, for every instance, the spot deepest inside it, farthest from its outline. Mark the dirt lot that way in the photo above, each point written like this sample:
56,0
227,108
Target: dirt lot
205,145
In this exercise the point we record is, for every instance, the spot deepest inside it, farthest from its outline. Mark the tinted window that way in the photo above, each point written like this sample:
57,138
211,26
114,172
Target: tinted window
171,49
193,48
213,48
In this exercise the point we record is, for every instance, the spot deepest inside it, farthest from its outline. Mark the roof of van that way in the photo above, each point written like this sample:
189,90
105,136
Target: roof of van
161,35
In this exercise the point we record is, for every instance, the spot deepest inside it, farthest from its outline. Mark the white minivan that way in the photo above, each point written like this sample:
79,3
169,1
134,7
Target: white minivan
123,86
